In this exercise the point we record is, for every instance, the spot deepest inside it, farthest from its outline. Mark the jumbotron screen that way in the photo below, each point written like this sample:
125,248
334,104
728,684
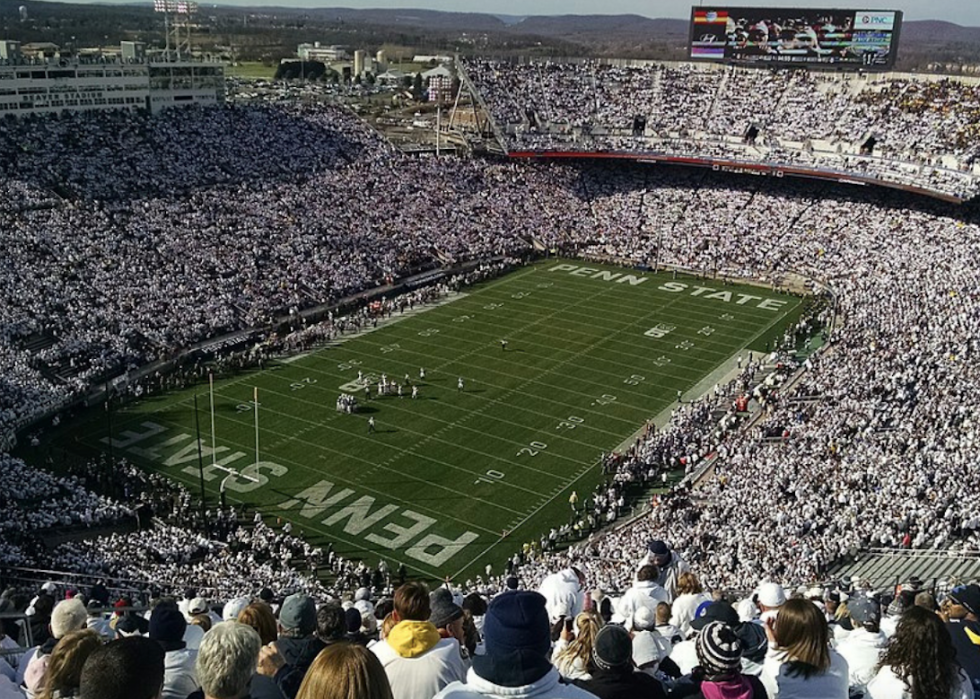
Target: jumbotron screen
857,38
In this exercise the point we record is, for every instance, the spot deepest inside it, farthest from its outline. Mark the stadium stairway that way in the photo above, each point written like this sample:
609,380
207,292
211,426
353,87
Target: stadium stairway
885,568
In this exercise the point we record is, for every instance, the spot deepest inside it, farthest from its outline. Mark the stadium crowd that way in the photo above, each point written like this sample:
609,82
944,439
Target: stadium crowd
663,637
117,271
920,133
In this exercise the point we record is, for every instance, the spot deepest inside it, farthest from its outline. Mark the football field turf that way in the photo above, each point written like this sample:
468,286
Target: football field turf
592,353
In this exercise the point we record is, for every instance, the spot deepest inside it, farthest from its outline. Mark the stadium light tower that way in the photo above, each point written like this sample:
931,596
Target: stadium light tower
177,24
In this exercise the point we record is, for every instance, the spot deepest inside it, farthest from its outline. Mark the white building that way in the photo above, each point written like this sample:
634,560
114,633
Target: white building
315,52
44,87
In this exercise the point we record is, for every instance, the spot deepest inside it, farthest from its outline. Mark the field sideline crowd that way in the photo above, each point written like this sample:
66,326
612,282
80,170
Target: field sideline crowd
122,249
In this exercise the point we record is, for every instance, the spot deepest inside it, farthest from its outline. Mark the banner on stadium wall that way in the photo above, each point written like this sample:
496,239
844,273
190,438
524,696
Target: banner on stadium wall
860,39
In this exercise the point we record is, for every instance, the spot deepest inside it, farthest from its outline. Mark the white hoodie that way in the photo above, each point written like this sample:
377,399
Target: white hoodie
862,651
179,674
563,594
645,593
548,687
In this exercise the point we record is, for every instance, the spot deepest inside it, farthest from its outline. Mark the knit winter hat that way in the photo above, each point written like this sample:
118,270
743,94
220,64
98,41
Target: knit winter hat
444,610
167,626
718,648
613,648
517,640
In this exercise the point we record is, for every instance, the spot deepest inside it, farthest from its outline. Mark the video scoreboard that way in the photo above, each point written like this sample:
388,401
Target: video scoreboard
861,39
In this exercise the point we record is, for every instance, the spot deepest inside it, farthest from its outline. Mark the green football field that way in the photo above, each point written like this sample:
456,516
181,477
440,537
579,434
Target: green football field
456,479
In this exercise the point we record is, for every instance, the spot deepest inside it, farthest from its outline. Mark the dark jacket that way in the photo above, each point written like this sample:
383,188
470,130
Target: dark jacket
622,684
299,654
966,638
261,688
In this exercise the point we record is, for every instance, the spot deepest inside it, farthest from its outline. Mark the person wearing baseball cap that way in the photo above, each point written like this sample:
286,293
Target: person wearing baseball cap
960,612
863,645
289,658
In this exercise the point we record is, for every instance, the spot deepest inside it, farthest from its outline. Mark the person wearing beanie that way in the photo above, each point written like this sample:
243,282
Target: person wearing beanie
353,623
447,616
611,667
67,616
755,645
515,665
670,566
418,661
719,673
685,654
167,627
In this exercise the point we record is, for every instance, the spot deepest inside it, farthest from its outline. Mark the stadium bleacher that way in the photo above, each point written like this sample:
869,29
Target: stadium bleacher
920,130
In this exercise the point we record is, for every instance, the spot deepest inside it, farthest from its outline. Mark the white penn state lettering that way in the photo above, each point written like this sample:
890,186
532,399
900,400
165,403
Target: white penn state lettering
772,304
606,276
445,548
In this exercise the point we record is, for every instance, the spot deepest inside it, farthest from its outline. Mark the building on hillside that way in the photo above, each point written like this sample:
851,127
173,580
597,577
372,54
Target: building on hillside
73,84
316,52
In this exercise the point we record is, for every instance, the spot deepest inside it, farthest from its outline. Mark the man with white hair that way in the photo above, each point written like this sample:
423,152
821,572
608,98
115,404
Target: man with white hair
68,615
226,665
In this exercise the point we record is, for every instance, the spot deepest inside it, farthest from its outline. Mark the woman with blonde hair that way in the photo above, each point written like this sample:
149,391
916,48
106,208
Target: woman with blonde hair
202,620
260,617
572,653
690,596
800,662
345,671
65,667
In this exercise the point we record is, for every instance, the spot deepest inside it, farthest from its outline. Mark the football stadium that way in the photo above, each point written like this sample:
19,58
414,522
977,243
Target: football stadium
660,387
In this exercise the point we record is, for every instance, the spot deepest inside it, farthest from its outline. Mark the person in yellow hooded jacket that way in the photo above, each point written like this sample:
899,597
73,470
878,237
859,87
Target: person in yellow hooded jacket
417,660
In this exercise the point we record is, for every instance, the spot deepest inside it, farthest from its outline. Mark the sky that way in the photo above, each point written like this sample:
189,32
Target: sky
963,12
